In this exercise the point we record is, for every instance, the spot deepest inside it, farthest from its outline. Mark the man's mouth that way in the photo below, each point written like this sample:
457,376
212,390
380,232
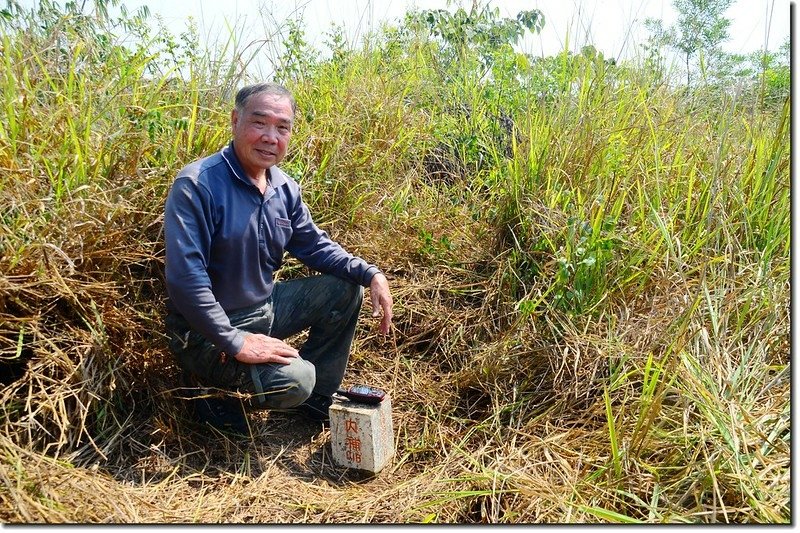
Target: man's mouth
265,153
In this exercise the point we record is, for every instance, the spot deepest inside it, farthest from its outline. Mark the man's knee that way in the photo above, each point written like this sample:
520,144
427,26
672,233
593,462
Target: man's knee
337,285
288,386
358,292
351,294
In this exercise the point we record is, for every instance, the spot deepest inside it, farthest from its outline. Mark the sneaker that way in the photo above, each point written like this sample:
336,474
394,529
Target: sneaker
224,414
316,407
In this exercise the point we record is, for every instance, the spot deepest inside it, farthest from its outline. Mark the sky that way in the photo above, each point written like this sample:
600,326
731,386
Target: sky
614,27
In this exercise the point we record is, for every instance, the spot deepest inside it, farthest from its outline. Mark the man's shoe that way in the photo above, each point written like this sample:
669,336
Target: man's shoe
316,407
224,414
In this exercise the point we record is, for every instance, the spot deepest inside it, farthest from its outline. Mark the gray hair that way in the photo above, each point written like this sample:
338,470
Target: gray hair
276,89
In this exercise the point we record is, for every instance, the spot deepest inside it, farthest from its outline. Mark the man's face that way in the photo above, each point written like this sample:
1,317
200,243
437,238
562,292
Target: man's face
261,132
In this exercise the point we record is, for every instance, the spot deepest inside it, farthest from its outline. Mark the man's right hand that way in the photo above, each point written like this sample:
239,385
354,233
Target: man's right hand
259,349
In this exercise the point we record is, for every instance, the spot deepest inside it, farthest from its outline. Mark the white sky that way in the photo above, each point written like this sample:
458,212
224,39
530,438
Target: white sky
614,27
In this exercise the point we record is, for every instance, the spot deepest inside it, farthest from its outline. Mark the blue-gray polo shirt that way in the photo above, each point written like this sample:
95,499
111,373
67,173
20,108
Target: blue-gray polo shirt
224,241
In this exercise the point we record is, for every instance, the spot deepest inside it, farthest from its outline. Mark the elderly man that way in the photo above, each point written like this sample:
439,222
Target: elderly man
229,218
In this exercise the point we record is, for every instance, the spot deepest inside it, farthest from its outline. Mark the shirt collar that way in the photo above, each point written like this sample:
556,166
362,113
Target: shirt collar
276,175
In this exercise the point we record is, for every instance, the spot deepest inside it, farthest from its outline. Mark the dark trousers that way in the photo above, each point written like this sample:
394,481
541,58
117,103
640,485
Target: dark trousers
324,305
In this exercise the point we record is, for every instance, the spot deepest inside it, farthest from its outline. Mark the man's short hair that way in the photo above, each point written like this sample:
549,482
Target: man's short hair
269,87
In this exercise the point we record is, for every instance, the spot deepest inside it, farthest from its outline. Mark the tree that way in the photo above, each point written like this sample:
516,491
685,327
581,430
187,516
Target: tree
700,30
480,30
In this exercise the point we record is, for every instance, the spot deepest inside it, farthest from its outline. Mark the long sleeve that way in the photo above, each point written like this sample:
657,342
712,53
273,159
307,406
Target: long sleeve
314,248
188,230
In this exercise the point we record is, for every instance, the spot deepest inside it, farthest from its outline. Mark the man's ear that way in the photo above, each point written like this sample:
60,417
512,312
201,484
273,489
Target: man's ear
234,118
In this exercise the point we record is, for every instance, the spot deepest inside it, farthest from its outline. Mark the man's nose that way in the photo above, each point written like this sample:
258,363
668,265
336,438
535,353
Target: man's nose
270,135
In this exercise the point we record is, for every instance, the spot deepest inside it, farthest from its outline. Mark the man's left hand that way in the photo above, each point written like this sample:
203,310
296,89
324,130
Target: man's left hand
381,301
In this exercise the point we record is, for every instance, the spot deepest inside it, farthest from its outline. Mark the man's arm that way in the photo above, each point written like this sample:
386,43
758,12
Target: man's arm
317,250
188,226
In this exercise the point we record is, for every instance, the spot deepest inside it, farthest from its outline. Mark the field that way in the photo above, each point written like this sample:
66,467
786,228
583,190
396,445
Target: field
590,267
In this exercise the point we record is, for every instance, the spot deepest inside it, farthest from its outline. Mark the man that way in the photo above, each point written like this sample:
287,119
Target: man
228,220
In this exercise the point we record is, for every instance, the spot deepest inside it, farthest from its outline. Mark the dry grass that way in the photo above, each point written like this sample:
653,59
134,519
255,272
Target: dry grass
480,438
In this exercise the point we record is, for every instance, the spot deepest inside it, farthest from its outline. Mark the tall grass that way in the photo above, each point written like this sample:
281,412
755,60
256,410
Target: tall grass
590,270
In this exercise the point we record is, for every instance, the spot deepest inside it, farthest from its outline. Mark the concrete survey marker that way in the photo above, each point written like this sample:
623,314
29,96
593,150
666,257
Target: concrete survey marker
362,436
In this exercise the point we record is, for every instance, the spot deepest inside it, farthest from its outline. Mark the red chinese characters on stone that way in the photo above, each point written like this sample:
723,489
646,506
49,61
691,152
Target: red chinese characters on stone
352,442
